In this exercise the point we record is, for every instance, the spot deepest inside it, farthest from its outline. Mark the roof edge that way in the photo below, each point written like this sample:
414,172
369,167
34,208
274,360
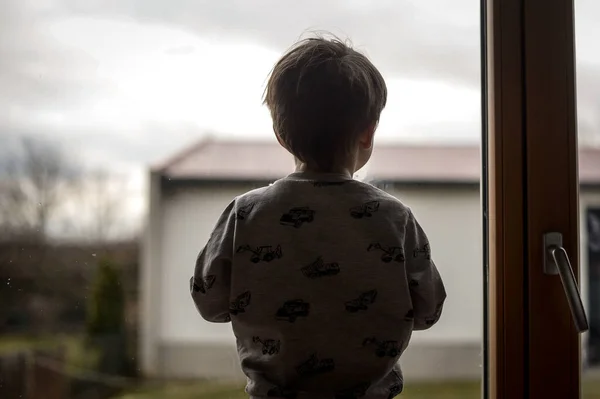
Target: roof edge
198,145
260,179
185,180
183,153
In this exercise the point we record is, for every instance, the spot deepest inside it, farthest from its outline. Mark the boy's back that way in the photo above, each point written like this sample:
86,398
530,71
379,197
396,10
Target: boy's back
324,278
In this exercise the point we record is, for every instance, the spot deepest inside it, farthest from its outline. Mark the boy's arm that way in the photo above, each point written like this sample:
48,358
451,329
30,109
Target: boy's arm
426,287
210,285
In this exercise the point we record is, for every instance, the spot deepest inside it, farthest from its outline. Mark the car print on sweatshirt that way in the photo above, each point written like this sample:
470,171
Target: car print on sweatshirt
362,302
240,303
365,210
269,346
203,284
293,309
389,253
296,217
264,253
318,268
383,348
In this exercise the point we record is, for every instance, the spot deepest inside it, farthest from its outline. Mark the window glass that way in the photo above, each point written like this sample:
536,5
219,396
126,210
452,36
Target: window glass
127,127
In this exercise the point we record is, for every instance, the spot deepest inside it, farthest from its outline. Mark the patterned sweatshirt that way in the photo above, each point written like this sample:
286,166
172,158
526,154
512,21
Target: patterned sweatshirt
323,278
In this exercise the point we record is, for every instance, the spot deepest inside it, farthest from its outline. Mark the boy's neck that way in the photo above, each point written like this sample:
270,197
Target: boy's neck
303,168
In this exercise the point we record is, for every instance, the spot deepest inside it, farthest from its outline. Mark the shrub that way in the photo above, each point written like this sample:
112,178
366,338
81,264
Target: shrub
105,322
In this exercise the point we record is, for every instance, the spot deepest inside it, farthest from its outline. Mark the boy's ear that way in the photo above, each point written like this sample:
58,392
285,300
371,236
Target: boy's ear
367,137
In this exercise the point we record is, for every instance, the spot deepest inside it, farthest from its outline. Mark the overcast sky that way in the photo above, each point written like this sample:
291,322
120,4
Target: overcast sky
127,82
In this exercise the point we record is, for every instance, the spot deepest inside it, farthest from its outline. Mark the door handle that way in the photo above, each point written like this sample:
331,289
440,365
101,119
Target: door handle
556,261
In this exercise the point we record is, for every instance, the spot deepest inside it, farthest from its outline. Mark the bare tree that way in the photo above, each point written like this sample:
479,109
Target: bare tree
35,179
105,196
95,213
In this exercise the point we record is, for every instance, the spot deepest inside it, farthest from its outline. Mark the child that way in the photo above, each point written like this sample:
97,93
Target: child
323,278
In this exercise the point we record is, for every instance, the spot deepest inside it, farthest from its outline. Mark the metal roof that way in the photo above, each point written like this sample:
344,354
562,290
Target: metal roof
239,160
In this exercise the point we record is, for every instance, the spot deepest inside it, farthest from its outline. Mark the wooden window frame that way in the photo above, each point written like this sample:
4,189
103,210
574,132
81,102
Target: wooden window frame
530,159
505,207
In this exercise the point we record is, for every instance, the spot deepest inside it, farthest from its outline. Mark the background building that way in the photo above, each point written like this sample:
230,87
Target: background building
440,184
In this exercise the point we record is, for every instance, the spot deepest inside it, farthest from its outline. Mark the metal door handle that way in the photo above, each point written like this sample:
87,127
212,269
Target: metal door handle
556,261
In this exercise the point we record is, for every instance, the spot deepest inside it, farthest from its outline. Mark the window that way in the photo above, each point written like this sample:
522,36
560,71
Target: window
129,126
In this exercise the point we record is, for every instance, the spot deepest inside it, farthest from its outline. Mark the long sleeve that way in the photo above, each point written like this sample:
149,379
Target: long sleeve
210,285
426,287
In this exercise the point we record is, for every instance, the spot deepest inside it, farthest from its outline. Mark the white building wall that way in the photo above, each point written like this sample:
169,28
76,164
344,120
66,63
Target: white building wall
189,216
451,217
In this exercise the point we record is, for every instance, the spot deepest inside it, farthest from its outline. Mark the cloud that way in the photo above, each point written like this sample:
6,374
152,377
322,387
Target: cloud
36,73
180,50
52,89
405,38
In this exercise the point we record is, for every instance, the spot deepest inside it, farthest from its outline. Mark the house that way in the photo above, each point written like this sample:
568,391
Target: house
440,184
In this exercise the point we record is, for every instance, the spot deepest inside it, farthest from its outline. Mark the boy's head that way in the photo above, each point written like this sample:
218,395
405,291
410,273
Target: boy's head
325,100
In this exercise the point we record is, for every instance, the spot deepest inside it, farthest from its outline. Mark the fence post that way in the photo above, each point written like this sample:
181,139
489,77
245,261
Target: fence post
13,371
47,378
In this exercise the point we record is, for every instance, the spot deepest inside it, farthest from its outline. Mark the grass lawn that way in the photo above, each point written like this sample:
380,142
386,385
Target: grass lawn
207,390
77,355
16,343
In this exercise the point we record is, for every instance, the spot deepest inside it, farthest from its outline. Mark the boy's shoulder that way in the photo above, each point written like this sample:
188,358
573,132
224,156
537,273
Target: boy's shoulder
252,195
383,196
350,188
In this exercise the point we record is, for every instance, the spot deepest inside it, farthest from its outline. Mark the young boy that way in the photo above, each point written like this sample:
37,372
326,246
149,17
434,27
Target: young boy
323,278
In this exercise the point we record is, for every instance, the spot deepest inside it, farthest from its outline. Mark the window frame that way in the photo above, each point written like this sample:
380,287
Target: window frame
505,205
530,160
